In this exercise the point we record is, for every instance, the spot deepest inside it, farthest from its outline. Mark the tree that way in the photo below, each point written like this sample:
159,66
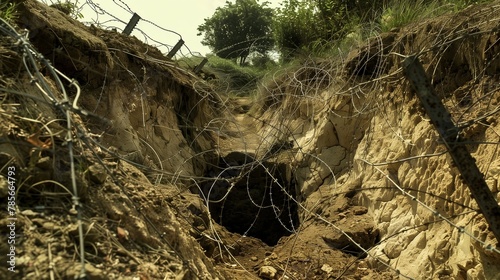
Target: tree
302,24
296,25
237,29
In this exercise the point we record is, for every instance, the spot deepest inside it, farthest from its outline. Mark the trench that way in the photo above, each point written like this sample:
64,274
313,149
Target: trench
252,198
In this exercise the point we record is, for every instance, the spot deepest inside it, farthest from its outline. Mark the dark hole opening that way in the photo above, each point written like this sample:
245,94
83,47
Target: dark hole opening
252,198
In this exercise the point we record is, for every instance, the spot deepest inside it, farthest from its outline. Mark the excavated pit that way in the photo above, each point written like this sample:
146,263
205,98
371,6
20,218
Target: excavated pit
252,198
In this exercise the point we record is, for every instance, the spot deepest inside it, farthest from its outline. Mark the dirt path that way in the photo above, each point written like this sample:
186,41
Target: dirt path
240,134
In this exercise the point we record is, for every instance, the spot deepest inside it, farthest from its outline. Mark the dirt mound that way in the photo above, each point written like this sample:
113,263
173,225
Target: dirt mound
335,173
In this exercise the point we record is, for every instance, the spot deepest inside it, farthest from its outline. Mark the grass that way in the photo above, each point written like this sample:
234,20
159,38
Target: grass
243,80
8,11
401,13
228,75
70,7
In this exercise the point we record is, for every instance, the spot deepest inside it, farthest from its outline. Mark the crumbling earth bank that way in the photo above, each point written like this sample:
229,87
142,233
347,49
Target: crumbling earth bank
141,119
373,146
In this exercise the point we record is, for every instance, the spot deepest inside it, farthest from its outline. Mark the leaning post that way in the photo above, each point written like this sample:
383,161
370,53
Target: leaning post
131,24
449,133
198,68
175,49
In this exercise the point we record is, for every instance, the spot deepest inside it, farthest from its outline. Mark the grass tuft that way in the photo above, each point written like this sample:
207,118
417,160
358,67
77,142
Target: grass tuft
8,11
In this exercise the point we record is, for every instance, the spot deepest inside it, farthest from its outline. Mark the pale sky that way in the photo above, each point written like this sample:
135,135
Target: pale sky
181,16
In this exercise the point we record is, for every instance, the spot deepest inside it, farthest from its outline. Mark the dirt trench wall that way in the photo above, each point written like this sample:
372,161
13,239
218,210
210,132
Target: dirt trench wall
143,109
157,113
372,134
408,152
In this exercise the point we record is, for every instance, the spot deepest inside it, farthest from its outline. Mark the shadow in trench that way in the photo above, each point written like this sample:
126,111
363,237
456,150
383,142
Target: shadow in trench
252,198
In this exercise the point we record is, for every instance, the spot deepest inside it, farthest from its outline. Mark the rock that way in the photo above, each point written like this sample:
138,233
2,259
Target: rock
267,272
360,228
91,234
122,234
476,273
97,173
50,226
326,268
30,213
91,272
359,210
254,258
393,248
44,163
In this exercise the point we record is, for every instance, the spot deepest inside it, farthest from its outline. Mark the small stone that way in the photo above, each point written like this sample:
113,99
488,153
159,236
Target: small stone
122,233
90,231
359,210
44,163
267,272
273,256
30,213
50,226
326,268
97,173
92,273
254,258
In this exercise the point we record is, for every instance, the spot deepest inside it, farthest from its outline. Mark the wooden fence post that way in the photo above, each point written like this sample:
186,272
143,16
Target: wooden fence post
131,24
197,69
175,48
449,133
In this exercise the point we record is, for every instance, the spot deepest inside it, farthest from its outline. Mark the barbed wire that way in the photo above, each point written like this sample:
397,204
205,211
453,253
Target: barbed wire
32,61
31,58
106,24
307,85
288,94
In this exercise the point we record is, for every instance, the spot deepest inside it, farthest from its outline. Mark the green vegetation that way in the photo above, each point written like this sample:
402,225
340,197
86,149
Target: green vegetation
400,13
232,76
8,11
236,30
301,30
302,26
71,8
229,76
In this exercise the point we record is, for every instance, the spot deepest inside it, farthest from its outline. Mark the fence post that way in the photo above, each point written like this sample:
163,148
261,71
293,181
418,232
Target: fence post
131,24
175,48
198,68
465,163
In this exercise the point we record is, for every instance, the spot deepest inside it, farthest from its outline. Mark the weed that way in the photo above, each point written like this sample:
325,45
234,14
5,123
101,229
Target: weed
71,9
8,11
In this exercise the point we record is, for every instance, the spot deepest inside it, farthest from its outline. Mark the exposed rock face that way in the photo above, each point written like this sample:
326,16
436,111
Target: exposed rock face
371,139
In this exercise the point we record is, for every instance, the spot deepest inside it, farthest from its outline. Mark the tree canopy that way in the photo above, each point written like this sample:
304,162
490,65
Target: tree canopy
236,30
301,24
